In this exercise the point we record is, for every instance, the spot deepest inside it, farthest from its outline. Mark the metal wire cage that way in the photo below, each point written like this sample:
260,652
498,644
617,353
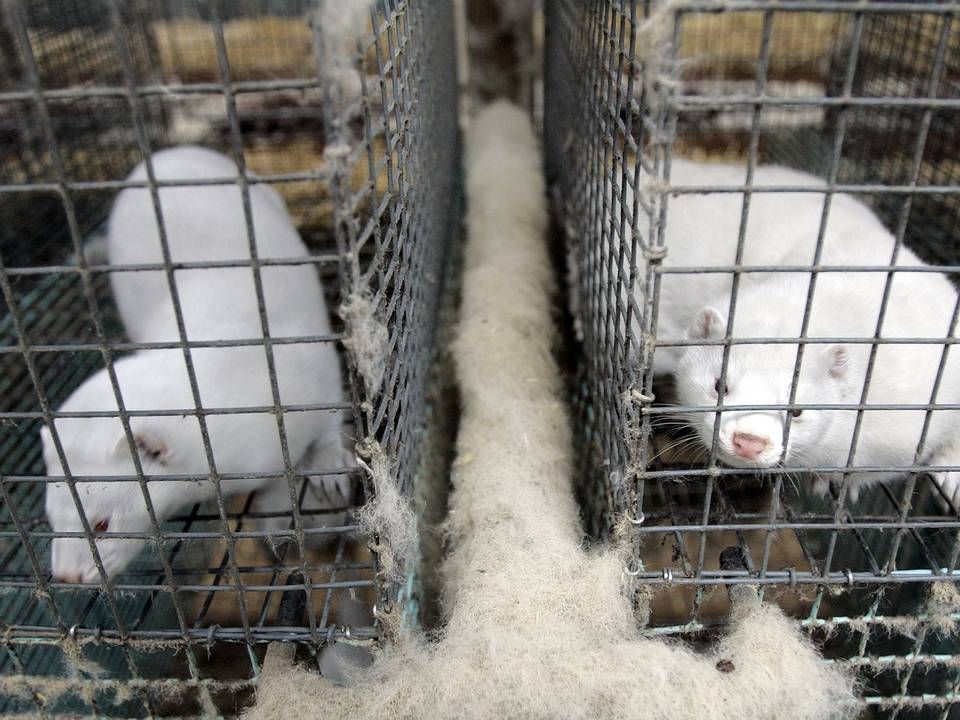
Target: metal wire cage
862,95
87,91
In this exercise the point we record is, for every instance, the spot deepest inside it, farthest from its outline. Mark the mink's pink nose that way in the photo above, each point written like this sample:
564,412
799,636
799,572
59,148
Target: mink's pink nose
749,446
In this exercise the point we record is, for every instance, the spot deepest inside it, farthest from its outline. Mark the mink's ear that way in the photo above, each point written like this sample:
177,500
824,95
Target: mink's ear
838,361
707,325
151,446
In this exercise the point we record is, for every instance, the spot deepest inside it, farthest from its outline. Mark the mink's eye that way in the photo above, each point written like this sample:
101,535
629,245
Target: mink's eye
797,412
717,385
102,526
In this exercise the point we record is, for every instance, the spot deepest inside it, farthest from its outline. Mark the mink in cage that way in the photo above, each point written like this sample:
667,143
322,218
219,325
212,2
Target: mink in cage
222,244
759,204
838,309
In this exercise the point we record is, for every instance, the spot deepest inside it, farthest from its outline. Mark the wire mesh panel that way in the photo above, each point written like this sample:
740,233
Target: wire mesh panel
751,193
350,145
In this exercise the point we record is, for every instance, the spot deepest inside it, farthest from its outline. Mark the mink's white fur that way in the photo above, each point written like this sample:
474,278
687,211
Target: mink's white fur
202,223
207,223
702,230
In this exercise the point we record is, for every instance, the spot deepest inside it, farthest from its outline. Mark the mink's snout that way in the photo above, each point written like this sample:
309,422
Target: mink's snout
71,561
749,446
752,440
64,576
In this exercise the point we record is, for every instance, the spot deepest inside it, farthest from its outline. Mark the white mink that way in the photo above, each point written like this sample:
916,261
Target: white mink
845,305
702,230
202,223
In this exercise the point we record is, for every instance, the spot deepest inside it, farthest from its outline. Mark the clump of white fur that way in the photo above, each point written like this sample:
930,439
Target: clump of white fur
536,627
366,340
341,24
389,516
943,602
